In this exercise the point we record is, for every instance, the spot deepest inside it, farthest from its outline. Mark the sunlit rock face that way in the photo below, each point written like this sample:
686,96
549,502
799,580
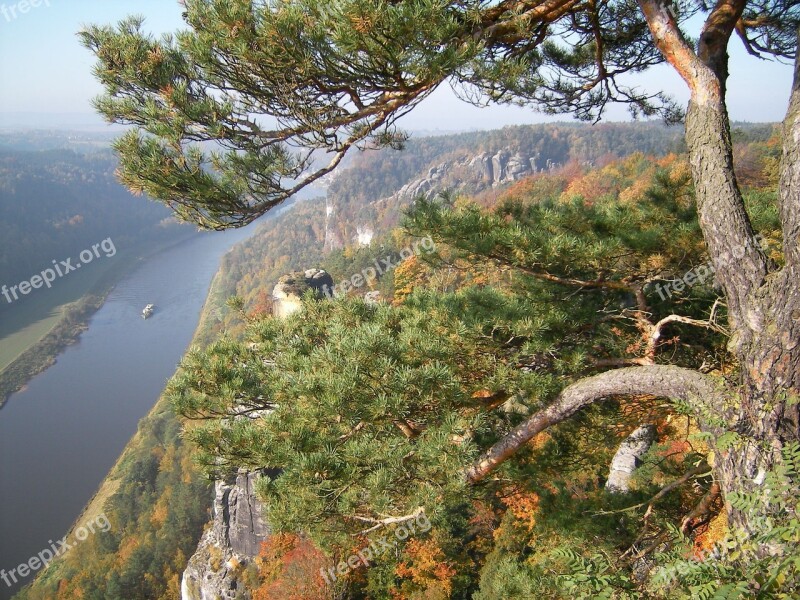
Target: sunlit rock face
229,544
290,288
364,236
473,172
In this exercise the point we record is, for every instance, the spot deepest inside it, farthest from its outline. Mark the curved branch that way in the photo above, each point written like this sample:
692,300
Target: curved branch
664,381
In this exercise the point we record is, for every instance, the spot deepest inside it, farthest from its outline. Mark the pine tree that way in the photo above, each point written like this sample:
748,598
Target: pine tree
217,109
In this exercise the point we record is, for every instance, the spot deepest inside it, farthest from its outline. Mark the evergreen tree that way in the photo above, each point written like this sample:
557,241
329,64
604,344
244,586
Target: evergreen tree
218,108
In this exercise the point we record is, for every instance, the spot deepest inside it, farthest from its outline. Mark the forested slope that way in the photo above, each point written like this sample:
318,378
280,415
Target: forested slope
56,203
387,404
536,531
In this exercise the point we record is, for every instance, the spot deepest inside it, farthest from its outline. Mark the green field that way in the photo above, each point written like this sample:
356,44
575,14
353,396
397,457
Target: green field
30,318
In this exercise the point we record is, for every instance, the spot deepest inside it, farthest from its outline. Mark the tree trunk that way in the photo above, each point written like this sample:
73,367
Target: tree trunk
763,307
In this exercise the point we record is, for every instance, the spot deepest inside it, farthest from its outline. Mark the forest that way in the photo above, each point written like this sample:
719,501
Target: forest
56,202
548,525
469,343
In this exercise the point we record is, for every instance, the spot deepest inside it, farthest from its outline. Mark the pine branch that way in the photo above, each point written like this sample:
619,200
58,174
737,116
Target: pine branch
679,383
387,520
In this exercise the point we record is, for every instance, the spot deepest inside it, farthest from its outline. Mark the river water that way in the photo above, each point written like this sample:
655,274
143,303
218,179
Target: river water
60,437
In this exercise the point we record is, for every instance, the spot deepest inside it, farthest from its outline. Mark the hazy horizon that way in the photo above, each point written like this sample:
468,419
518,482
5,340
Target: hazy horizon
45,72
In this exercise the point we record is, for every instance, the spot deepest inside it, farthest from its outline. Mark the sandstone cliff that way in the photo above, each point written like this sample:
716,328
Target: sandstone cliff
229,543
233,538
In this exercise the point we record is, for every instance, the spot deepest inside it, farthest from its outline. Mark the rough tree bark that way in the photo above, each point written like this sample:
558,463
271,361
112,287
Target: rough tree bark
763,306
699,391
763,301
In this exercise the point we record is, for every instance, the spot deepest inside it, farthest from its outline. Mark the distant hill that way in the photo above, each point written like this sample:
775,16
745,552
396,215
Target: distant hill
369,195
56,203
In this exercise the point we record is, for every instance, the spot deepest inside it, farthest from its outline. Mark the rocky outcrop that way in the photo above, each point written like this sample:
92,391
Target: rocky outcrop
364,235
499,162
483,167
473,173
287,294
229,544
628,457
517,167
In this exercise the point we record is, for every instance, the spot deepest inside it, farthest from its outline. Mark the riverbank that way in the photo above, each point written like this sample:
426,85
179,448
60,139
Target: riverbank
42,355
152,493
71,320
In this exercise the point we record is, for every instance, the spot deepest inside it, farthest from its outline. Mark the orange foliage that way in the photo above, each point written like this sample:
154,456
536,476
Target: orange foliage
542,185
427,568
636,191
524,506
593,185
717,529
262,305
540,440
290,567
126,548
161,509
168,461
482,525
409,274
65,593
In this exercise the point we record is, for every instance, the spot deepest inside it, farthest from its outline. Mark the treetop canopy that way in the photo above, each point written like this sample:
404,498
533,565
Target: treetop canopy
258,99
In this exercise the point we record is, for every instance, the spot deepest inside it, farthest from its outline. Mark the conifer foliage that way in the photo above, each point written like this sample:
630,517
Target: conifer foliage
258,99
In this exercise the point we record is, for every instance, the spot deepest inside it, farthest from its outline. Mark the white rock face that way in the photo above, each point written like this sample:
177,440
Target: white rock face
627,458
364,236
474,172
284,303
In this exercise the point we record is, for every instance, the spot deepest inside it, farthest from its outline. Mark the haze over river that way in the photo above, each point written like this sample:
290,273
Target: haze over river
60,436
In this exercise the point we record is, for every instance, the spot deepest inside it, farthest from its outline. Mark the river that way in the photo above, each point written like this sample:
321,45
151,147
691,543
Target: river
61,435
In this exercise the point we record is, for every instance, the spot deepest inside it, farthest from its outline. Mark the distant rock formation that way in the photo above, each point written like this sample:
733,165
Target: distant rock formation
287,294
474,173
231,542
364,235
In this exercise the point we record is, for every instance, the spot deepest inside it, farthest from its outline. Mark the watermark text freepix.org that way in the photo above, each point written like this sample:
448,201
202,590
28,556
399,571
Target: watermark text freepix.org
704,271
12,11
420,524
59,269
57,548
381,267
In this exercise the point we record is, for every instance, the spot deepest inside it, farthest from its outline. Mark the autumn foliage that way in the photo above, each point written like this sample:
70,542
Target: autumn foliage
425,571
289,566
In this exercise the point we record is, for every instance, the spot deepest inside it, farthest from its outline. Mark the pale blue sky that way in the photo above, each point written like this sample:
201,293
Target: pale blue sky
44,71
